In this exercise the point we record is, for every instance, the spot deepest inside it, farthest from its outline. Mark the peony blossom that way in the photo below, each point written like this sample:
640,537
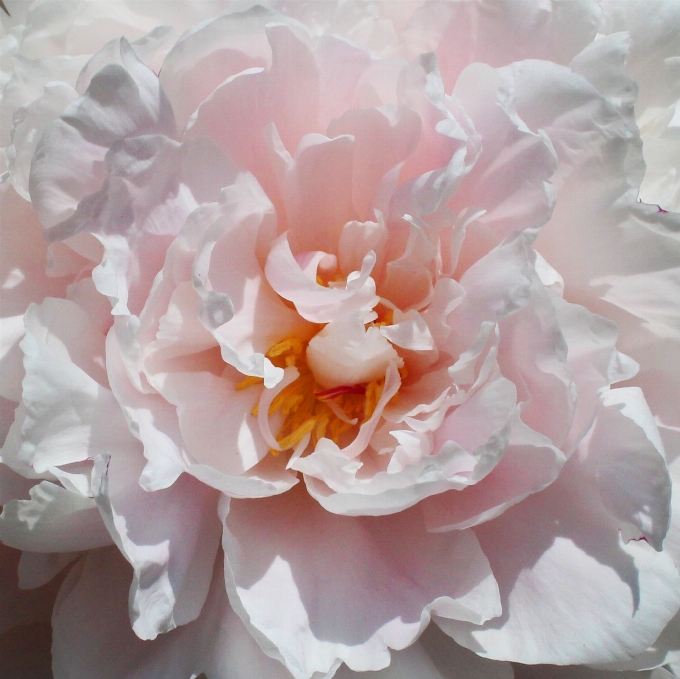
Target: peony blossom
340,337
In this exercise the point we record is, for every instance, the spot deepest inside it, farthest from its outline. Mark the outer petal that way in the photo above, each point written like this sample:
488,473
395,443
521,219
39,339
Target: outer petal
348,589
625,445
24,623
22,271
607,600
529,463
89,644
206,55
500,33
152,185
169,536
52,520
120,102
435,656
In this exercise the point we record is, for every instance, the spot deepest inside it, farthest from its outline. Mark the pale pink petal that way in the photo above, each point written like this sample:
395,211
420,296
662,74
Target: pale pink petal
529,463
384,137
510,178
533,354
120,101
27,82
70,415
280,552
624,445
151,187
435,656
13,486
17,606
519,29
593,360
238,305
208,54
482,424
573,591
215,420
38,568
317,191
317,303
149,49
28,127
496,285
294,84
87,643
151,418
53,520
22,271
170,537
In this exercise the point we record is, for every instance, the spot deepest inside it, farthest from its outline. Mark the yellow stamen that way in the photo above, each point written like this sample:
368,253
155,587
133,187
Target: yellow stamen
292,344
303,411
296,436
248,382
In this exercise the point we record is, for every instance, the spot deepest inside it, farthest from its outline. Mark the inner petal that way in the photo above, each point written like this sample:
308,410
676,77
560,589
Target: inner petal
345,353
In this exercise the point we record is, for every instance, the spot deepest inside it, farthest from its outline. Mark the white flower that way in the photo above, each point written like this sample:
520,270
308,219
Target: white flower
334,319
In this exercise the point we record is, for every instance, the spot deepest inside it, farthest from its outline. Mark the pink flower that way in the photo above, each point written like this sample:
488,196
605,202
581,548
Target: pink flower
352,323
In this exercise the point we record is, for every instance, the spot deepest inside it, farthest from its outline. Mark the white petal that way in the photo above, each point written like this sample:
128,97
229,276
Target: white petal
349,590
572,590
53,520
169,536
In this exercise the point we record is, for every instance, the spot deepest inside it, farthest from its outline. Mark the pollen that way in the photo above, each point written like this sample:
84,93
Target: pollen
309,409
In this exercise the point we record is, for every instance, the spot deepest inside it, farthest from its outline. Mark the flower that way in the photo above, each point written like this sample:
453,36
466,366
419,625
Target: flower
338,341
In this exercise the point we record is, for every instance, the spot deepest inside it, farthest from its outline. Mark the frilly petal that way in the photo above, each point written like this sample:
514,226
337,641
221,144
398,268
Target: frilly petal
278,551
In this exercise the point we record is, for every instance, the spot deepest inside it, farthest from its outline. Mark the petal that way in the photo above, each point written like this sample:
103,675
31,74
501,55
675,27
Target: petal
206,55
315,302
510,178
151,418
625,445
349,590
152,185
27,82
384,137
317,192
216,421
436,656
572,590
121,101
238,306
53,520
533,353
170,537
28,128
22,271
529,464
519,29
20,607
87,643
69,416
496,285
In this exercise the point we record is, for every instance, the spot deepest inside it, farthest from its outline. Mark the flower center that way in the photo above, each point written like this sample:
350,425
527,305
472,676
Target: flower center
310,408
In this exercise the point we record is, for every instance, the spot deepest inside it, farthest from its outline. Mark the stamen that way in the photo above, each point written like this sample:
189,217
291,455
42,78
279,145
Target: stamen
248,382
293,344
310,415
339,391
